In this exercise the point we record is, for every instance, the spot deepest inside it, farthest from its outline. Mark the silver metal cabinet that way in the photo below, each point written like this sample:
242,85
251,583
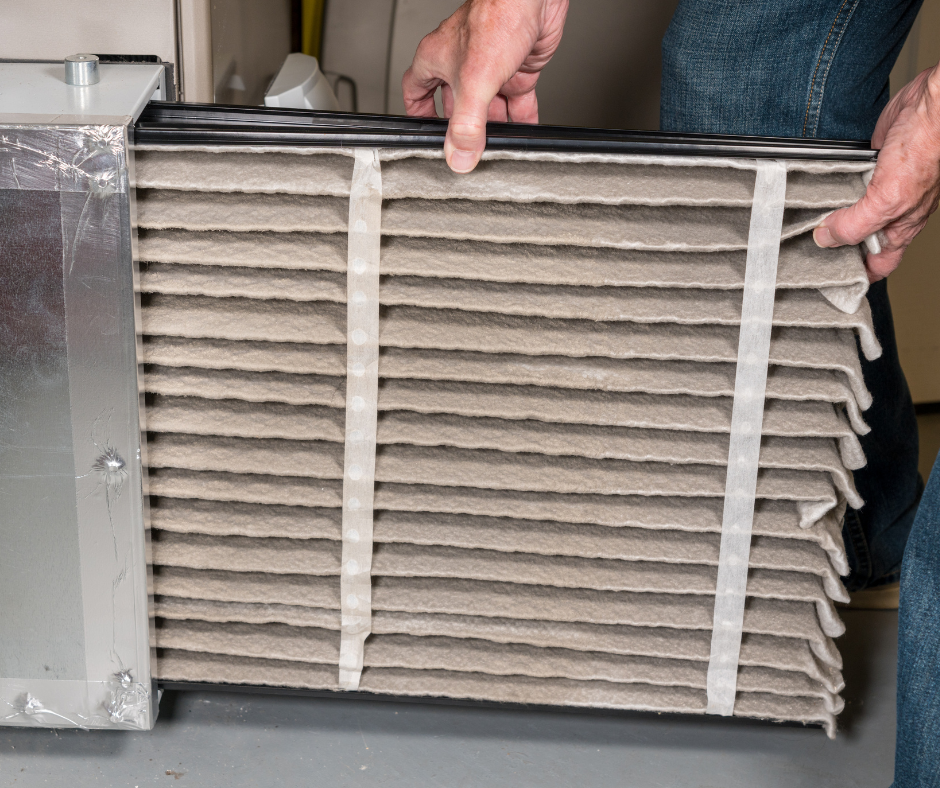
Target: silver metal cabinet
75,645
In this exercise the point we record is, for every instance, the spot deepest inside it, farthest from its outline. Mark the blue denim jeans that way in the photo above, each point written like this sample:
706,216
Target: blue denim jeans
820,68
917,760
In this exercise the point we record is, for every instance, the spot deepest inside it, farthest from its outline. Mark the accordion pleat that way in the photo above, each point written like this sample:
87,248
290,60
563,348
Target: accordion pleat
558,344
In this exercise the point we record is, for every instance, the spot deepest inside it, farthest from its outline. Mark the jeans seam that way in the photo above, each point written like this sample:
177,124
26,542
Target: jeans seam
835,48
822,54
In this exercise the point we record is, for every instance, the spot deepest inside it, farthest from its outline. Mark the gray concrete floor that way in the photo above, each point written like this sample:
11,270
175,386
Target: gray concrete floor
216,739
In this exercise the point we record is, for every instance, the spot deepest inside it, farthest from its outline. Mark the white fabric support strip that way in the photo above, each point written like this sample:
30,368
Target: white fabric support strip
362,384
747,415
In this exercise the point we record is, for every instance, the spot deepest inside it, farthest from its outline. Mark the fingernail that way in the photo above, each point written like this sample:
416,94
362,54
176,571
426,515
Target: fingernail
462,160
823,237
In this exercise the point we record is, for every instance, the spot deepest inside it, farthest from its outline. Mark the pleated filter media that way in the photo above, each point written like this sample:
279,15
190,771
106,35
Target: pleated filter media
516,491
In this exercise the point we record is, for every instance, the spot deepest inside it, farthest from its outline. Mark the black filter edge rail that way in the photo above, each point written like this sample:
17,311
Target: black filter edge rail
472,703
170,123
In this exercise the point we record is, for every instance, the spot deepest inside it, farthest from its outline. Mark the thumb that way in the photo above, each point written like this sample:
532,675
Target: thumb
466,132
852,225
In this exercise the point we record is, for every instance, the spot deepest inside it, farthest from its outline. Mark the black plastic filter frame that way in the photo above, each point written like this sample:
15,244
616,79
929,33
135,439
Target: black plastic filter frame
436,700
169,123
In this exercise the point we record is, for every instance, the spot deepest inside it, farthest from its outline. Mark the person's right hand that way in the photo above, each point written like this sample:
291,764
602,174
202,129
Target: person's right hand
486,58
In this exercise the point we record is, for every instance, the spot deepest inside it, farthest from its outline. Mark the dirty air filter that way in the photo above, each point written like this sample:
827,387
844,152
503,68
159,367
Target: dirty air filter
503,472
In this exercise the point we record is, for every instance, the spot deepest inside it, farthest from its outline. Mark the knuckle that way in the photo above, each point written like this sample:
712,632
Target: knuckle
467,128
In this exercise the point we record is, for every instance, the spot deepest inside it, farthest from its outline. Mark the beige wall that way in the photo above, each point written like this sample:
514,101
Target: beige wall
607,71
915,287
54,29
195,50
355,43
250,39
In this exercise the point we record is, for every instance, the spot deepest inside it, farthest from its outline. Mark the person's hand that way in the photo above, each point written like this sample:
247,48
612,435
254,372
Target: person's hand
486,58
905,185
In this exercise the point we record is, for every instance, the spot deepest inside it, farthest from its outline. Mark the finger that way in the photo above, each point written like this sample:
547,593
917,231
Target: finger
427,72
498,111
854,224
417,104
881,265
466,132
894,240
524,108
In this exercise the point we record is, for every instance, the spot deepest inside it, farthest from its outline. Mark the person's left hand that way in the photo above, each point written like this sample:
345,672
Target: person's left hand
905,185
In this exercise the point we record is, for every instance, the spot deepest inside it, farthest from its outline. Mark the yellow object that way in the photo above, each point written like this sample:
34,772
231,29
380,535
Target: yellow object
311,19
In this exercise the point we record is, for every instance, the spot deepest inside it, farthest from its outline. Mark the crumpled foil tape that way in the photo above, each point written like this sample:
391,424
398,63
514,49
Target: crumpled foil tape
747,414
362,383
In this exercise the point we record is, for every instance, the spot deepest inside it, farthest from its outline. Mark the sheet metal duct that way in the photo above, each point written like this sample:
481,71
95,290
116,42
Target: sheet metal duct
74,614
